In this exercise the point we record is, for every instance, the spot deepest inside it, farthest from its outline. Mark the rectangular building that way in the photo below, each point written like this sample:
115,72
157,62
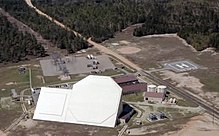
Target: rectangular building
154,96
125,79
134,88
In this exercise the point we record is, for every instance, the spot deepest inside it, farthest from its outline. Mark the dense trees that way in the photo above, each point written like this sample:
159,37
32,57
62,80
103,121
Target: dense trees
58,36
195,21
15,45
99,19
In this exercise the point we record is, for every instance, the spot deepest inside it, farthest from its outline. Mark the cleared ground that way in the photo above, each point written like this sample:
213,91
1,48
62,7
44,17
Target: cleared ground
40,128
75,65
198,126
129,50
158,50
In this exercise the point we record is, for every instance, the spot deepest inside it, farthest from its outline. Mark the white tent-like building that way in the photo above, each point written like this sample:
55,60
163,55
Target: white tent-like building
95,100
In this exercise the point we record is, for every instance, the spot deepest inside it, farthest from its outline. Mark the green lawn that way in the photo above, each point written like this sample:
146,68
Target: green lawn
18,81
110,72
174,113
211,84
137,97
50,80
186,103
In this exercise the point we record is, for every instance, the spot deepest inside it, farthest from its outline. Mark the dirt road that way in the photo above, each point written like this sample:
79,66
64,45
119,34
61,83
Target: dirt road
116,55
96,45
180,92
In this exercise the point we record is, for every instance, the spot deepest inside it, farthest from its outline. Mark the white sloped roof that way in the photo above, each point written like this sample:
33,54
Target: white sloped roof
94,100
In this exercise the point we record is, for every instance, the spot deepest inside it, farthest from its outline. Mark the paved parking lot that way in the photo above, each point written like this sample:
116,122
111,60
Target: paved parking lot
181,66
75,65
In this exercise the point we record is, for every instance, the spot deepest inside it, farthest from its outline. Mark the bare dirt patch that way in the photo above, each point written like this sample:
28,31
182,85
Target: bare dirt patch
157,49
28,124
42,128
198,126
37,66
124,42
210,50
2,133
128,50
10,83
183,80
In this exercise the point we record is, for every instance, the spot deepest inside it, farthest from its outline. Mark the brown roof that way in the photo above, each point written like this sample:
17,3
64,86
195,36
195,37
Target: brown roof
134,87
154,94
124,79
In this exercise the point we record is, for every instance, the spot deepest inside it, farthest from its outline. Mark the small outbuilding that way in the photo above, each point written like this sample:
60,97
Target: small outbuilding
154,96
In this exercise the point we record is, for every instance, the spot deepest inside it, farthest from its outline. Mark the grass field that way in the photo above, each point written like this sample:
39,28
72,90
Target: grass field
136,97
9,111
10,78
157,50
211,84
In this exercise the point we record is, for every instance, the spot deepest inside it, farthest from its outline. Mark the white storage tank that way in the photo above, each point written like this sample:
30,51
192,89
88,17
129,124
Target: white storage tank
151,88
161,89
88,56
174,100
171,100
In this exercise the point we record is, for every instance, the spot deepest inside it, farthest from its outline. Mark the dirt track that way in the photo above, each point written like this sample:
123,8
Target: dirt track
24,28
110,52
96,45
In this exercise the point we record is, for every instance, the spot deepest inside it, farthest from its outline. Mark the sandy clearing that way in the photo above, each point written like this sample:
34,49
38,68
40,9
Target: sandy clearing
143,130
2,133
172,35
124,42
184,80
39,77
210,50
28,123
198,126
37,66
212,96
115,44
128,50
10,83
193,83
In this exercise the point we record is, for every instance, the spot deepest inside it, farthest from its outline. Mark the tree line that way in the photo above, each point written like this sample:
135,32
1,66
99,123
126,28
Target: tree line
98,19
196,22
15,45
50,31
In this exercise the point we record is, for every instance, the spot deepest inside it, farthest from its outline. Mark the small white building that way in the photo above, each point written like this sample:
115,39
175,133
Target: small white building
95,100
155,93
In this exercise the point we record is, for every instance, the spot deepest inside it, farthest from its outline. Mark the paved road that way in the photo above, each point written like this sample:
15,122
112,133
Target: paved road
181,92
